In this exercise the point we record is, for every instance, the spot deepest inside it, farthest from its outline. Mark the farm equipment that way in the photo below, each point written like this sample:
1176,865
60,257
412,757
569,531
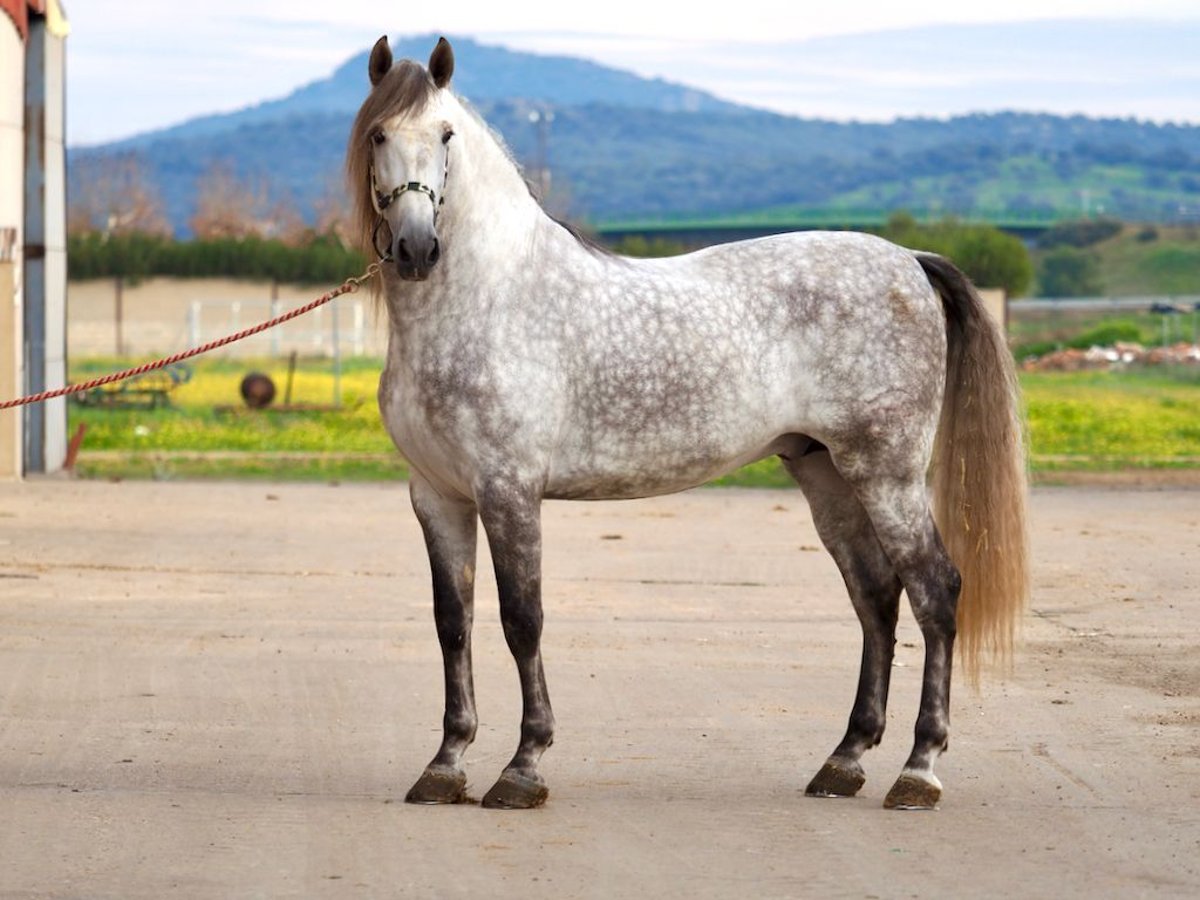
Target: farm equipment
149,391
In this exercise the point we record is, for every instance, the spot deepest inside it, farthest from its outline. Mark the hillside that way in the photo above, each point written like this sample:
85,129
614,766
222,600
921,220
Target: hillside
626,148
1153,261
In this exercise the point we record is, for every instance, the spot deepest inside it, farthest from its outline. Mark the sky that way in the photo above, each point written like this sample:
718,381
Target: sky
143,64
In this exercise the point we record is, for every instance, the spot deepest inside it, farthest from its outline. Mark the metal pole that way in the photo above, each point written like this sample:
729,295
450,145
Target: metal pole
337,354
274,313
120,315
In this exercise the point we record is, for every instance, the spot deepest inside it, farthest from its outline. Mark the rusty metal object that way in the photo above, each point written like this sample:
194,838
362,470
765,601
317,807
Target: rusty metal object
258,390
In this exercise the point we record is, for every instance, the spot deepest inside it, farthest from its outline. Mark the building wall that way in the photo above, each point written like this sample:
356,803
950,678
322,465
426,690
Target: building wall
12,160
12,128
44,277
56,248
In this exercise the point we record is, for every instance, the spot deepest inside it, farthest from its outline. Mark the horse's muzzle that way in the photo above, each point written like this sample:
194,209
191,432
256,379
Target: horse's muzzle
415,257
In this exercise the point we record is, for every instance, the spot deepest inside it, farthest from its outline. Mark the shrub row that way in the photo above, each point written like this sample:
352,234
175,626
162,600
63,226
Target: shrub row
318,259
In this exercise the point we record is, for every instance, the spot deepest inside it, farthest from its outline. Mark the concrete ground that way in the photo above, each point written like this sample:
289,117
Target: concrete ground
225,690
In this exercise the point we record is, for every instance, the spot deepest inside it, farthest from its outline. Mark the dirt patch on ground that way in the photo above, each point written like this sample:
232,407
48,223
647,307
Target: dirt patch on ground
1126,478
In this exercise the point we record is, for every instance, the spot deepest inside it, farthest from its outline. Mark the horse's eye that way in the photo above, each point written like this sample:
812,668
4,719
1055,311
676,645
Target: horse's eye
378,137
449,134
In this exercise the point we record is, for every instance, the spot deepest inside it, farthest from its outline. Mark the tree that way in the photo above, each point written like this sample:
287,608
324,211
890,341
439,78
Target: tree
637,245
1081,232
991,258
111,195
233,208
994,259
227,206
1068,272
333,213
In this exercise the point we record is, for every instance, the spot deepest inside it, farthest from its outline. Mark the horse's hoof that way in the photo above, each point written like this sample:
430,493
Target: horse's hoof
837,779
912,791
515,790
438,786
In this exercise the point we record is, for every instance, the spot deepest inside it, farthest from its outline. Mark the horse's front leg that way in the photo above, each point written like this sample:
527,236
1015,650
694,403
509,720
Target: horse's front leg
511,517
449,526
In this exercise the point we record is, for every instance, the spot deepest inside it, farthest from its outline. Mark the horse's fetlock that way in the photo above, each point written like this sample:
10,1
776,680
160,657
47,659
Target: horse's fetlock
868,727
461,726
539,732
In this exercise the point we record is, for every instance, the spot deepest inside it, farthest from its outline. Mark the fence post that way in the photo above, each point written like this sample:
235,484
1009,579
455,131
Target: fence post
194,324
337,353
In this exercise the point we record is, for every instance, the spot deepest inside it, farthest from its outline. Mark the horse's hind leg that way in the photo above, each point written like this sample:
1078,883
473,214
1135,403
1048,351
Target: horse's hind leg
899,511
512,519
450,528
874,589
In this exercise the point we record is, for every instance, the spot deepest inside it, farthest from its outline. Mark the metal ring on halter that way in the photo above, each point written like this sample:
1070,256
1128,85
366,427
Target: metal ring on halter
384,255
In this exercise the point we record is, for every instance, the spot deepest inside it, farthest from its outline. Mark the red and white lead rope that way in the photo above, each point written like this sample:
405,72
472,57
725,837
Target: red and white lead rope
348,287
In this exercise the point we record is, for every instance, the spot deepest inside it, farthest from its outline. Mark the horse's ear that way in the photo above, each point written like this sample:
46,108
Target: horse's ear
381,60
441,63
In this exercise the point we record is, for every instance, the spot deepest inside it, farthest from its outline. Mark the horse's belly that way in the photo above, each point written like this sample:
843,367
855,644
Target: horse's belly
663,470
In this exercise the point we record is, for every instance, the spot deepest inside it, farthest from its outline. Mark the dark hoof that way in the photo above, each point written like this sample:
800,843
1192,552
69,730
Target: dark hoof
516,791
837,779
438,786
913,792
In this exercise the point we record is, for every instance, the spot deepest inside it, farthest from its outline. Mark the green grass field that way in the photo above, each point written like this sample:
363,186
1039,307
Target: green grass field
1085,421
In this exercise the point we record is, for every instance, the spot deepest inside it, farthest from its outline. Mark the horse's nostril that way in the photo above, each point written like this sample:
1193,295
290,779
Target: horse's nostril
435,253
402,253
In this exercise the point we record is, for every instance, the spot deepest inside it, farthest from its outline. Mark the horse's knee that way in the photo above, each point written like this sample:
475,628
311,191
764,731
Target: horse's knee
522,624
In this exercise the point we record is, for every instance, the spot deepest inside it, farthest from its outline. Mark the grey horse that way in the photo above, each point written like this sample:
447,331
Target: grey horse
525,363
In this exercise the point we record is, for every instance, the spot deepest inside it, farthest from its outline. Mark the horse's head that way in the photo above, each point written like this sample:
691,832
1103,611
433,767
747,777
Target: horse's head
400,156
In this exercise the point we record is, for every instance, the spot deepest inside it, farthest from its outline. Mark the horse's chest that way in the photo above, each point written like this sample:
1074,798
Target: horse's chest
420,409
442,409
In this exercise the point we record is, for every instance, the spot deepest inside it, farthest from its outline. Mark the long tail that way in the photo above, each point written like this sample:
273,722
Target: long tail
979,472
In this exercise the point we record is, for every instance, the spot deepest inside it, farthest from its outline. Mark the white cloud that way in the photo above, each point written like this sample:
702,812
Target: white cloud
136,65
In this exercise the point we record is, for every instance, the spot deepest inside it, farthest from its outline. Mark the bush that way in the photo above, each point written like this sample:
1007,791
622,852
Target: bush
637,245
318,259
1068,272
990,257
1108,334
1080,233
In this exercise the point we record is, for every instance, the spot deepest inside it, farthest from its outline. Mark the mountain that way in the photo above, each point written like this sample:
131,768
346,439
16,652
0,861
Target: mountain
483,73
626,148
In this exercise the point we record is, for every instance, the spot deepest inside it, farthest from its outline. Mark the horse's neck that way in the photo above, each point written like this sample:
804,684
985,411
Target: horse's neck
494,216
493,231
489,209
